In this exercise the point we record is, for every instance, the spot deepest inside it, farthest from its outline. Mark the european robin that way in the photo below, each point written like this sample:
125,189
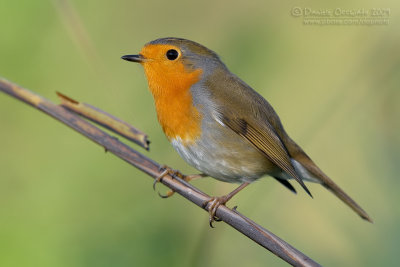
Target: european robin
220,125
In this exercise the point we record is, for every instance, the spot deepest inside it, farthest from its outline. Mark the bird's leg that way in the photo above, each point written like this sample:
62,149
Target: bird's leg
167,170
215,202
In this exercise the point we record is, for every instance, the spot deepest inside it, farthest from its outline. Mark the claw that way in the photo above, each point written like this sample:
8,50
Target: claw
158,179
210,209
210,221
167,170
214,202
169,193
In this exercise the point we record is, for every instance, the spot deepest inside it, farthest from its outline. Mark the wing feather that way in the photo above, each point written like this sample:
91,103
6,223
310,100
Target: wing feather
266,141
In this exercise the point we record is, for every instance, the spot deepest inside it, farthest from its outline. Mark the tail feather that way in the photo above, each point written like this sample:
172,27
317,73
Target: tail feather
315,173
333,187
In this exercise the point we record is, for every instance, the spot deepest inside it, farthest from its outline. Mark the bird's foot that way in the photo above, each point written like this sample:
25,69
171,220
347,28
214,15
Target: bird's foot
168,171
215,202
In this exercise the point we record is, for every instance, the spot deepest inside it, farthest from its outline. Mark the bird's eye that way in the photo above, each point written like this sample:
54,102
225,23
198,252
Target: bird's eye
172,54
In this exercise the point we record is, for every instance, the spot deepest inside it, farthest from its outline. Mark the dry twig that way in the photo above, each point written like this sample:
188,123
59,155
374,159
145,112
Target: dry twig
66,113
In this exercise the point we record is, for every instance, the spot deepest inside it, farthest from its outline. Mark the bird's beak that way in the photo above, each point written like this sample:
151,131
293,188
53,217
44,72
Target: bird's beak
134,58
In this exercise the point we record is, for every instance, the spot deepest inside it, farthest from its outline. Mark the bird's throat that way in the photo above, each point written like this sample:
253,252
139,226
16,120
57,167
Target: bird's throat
176,113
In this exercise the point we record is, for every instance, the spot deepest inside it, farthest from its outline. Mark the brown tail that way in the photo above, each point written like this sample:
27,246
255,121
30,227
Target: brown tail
331,186
335,189
299,155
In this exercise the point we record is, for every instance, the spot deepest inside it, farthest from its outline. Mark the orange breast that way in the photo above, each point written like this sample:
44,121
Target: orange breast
170,86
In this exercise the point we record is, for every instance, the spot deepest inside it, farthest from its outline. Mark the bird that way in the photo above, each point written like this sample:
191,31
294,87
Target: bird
220,125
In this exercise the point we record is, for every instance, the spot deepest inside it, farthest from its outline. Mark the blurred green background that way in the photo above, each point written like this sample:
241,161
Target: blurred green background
64,202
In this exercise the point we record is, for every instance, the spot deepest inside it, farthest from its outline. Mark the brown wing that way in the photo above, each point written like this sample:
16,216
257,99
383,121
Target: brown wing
252,117
267,141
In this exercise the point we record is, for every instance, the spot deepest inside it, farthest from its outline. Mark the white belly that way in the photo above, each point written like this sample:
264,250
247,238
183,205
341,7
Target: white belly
220,162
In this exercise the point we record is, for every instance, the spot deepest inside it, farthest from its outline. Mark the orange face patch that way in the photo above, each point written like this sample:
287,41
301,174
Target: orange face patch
170,83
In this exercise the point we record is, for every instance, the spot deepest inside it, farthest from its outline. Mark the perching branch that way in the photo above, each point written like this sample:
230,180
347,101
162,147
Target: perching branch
68,112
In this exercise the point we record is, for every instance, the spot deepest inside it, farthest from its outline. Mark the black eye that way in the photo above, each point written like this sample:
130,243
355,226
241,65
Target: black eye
172,54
